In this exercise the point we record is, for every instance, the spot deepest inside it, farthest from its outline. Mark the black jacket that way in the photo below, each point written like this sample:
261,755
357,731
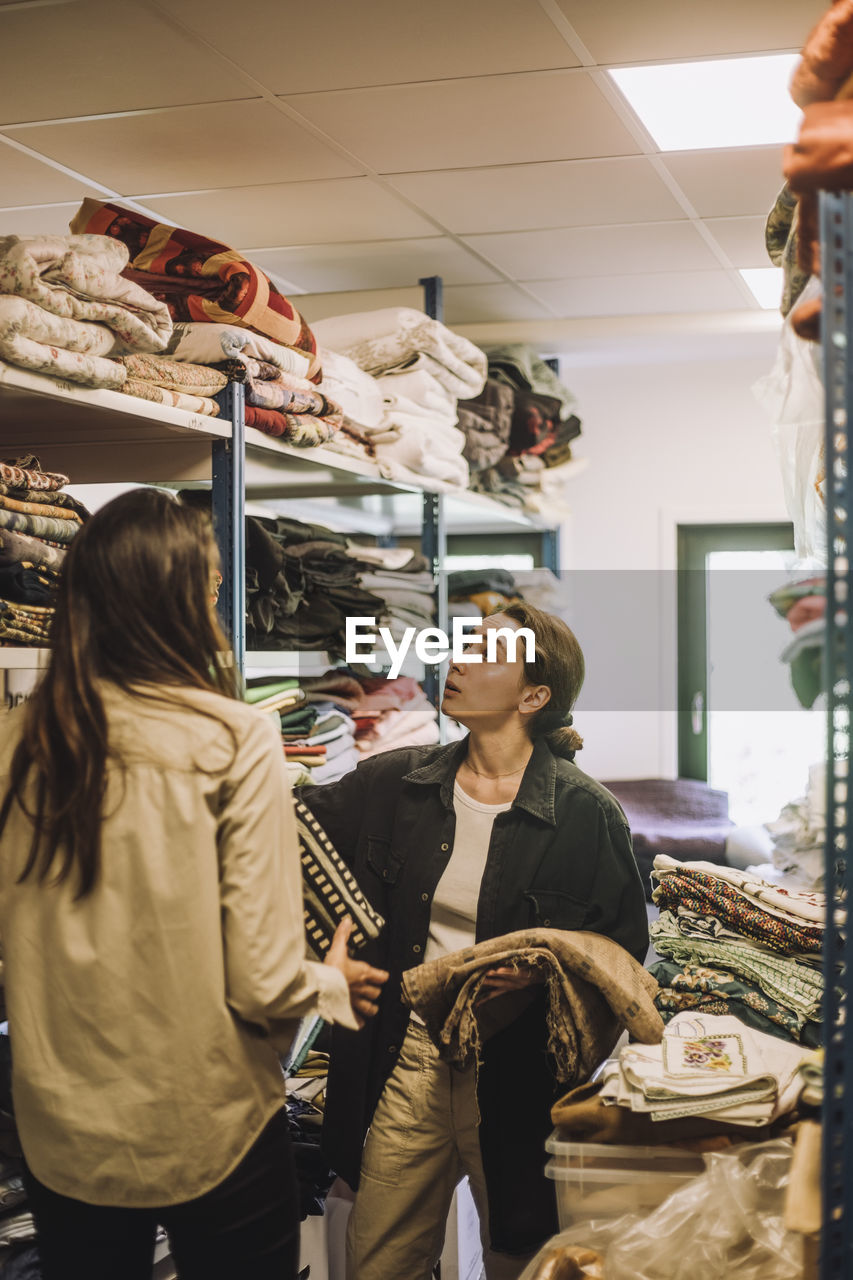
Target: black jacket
561,858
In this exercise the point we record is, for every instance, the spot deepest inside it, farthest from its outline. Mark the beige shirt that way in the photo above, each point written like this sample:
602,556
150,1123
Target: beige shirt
142,1017
453,918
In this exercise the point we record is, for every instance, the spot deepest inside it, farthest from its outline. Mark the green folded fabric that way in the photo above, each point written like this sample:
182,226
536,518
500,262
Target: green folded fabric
257,692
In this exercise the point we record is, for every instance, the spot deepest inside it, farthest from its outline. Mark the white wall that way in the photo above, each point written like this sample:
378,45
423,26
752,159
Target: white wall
674,435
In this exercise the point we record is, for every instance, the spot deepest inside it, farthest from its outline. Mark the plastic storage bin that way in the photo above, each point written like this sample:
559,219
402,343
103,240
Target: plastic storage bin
599,1181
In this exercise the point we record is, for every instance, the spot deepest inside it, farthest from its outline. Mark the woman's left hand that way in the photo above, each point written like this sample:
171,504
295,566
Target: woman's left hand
498,981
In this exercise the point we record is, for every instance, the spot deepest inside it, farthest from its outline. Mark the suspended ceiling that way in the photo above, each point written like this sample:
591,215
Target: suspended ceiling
356,146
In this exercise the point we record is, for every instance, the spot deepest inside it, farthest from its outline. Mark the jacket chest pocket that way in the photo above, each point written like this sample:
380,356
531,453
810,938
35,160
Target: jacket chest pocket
382,860
553,909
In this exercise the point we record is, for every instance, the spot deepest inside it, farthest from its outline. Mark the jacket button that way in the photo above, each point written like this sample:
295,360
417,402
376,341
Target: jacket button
392,1048
445,847
546,923
417,948
424,897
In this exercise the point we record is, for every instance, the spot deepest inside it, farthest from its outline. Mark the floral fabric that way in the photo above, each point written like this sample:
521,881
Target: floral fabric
714,990
79,277
302,430
25,473
200,279
33,338
173,399
24,624
174,375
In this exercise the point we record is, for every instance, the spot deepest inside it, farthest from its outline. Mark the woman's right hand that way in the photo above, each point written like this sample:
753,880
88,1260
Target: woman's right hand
365,983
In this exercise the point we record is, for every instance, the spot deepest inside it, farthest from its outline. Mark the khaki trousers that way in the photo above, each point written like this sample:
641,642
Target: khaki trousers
422,1142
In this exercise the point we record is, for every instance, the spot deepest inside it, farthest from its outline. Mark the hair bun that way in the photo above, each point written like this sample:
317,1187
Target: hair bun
564,741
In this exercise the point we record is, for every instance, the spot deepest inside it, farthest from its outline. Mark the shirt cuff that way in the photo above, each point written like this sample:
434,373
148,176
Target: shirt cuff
333,1003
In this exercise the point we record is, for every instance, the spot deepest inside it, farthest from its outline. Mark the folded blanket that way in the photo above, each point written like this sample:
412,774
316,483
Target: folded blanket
20,549
712,990
483,448
38,509
81,277
33,338
268,387
24,624
593,987
200,279
400,338
20,584
212,343
519,366
51,498
355,391
426,447
705,898
173,399
299,429
61,531
25,473
421,387
330,890
175,375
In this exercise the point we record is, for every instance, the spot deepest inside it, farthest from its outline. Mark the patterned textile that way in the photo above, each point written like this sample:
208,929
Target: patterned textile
213,343
32,553
706,896
200,279
780,239
52,498
175,375
520,366
712,990
61,531
797,906
798,986
300,429
172,399
39,509
270,388
25,473
398,338
32,338
24,624
22,584
80,277
330,889
593,988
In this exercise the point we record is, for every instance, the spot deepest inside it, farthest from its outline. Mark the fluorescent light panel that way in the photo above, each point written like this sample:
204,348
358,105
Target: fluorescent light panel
766,284
727,102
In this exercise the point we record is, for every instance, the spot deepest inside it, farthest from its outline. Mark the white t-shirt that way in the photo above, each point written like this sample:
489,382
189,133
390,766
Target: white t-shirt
453,920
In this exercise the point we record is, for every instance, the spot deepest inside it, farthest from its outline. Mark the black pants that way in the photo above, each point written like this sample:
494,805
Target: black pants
248,1226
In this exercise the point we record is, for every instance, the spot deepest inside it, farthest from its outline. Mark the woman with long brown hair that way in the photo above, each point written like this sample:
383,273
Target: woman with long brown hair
151,922
455,845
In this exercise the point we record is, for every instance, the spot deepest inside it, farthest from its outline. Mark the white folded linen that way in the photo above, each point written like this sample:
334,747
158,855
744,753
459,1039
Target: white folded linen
358,394
202,343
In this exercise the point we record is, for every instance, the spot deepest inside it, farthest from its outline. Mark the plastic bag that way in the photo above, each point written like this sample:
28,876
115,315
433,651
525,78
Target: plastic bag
793,395
727,1222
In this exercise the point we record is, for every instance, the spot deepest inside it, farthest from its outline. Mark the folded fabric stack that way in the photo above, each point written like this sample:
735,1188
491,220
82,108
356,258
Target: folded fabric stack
228,315
393,713
738,944
66,307
402,579
707,1065
422,369
180,386
544,590
802,603
318,737
821,158
37,522
799,835
526,409
479,591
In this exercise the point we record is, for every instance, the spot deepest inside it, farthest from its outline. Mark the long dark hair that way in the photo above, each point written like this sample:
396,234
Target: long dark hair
559,664
133,607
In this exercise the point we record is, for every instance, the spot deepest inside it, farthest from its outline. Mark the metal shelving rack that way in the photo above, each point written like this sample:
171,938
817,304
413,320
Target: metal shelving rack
836,218
104,436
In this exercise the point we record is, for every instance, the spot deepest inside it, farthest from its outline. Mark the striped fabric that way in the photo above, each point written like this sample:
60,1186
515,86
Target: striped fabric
329,889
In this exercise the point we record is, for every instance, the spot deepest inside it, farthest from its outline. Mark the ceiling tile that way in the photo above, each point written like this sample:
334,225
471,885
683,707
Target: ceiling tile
660,30
218,145
484,303
742,239
91,56
394,264
291,213
24,180
724,184
40,220
530,196
385,42
653,294
551,115
606,251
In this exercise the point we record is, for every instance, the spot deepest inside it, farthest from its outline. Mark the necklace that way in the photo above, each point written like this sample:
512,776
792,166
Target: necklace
493,777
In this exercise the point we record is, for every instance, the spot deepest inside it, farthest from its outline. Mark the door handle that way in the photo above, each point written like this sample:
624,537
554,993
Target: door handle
697,713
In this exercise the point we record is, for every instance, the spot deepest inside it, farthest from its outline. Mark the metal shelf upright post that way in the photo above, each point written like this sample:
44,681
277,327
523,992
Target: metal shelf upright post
836,218
433,533
228,501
